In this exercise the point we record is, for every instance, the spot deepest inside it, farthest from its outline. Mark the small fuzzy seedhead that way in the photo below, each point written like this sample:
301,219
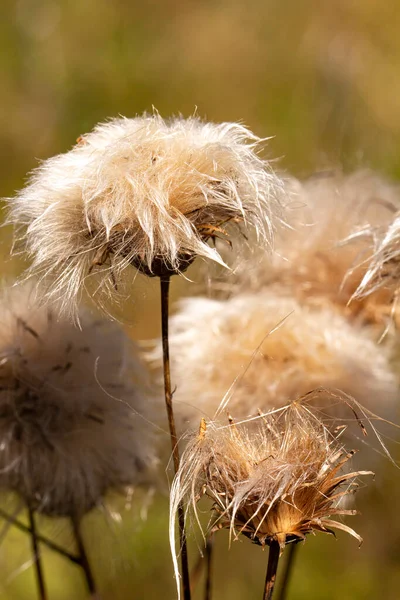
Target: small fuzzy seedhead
279,483
71,417
143,192
259,350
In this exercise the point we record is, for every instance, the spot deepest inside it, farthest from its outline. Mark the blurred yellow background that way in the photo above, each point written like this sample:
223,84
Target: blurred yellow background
323,80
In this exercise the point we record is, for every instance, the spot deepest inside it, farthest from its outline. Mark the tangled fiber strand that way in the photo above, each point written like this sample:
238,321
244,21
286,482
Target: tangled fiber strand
279,483
143,192
73,424
259,350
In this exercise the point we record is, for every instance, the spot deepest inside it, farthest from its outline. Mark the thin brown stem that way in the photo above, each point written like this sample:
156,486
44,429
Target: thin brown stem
83,558
209,556
40,538
288,571
165,281
273,560
36,557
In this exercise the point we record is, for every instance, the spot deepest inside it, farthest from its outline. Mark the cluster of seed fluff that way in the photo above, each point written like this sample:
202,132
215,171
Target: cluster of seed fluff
280,483
73,408
384,268
143,192
256,351
335,221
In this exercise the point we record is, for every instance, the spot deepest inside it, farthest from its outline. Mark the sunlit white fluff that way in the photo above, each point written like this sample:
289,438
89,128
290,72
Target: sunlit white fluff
143,192
74,409
260,350
335,222
384,268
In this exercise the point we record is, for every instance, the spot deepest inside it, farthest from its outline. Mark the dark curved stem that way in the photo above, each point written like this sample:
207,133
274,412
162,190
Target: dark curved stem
288,571
36,557
83,558
165,281
273,560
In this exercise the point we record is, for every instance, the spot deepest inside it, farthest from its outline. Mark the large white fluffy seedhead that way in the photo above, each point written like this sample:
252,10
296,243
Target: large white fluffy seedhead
73,409
257,351
336,221
143,192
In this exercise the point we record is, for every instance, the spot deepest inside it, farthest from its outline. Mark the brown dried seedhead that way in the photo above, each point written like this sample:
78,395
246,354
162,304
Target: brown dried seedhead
277,483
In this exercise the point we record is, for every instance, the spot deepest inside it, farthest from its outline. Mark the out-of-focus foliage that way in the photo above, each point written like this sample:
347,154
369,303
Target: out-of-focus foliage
323,79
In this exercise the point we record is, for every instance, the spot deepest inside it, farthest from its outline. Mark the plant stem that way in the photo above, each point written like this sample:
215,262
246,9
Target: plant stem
288,570
164,282
40,538
83,558
209,555
273,559
36,557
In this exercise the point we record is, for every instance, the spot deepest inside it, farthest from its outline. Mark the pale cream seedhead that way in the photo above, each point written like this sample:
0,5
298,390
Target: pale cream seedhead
143,192
335,223
74,409
277,483
262,349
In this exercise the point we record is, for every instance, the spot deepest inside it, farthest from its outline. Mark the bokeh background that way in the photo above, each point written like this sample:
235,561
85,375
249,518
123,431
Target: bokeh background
323,80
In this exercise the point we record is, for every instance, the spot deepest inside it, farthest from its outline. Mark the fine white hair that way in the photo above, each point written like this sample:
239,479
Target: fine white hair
143,192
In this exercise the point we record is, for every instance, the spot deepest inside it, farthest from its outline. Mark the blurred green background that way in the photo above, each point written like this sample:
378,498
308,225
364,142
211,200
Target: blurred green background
321,78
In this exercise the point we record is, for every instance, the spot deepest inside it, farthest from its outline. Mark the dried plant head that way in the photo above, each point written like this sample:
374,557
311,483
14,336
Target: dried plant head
259,350
74,408
323,256
143,192
280,482
383,273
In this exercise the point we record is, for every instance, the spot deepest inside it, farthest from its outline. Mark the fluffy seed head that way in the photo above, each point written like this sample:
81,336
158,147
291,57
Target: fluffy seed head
143,192
71,423
259,350
335,222
278,483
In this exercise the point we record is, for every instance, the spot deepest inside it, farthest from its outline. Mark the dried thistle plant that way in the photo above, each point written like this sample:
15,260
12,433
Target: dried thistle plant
274,485
74,419
335,223
143,192
259,350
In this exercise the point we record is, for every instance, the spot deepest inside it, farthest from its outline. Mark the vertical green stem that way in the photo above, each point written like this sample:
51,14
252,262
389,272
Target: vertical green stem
36,557
165,281
273,560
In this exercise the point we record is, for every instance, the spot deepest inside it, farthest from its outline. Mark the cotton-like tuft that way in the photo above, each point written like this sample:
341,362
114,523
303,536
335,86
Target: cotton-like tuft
143,192
260,350
279,483
335,221
74,409
384,268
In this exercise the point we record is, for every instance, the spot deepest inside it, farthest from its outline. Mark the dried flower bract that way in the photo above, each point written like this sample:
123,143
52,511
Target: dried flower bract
143,192
70,409
280,483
